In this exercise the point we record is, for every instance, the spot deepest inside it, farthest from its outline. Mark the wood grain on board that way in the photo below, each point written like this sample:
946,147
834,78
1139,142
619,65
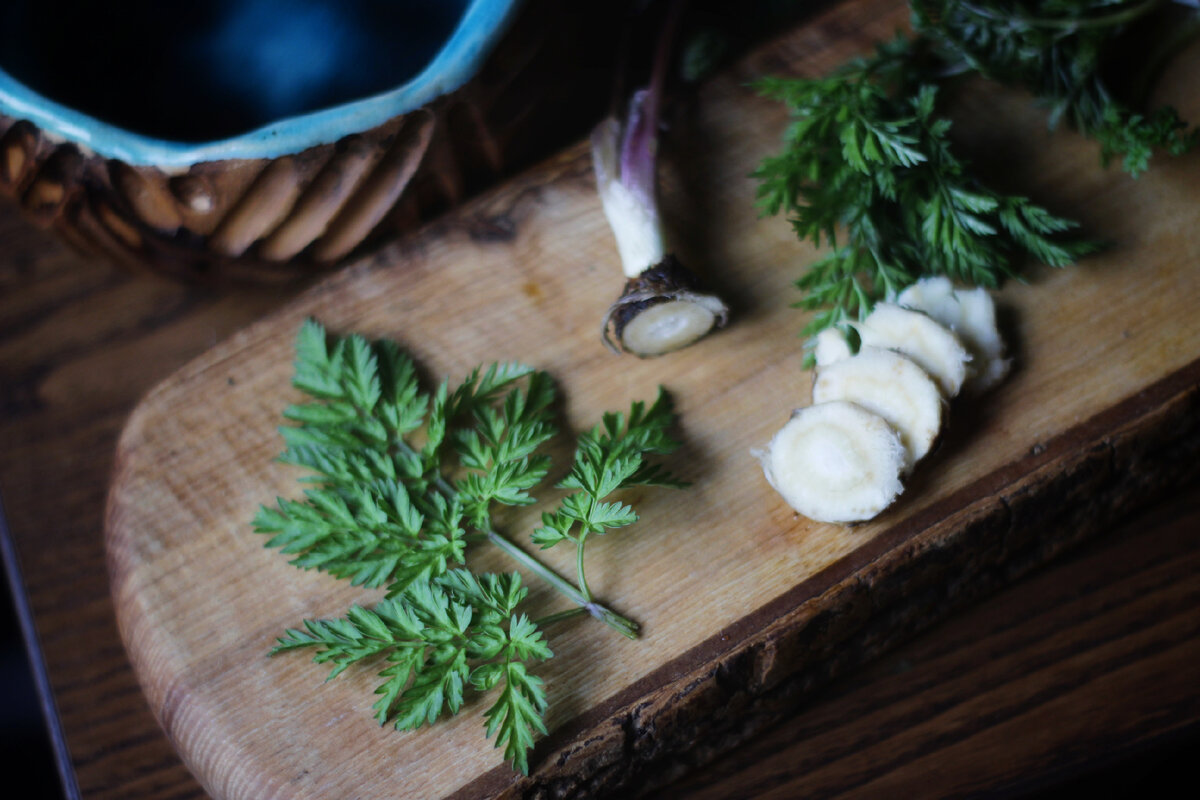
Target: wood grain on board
746,607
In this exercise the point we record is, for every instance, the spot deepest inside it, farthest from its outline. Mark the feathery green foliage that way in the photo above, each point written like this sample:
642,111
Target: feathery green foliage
610,457
1056,49
437,639
402,481
868,169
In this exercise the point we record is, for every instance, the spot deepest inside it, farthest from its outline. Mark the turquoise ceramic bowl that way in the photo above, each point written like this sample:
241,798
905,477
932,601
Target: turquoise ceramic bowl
261,138
314,40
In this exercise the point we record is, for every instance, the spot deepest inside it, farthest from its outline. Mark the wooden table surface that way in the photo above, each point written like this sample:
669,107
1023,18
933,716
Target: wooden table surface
1086,663
1093,658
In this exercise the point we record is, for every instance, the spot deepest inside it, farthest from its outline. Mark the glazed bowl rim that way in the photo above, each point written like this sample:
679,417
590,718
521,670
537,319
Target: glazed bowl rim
477,31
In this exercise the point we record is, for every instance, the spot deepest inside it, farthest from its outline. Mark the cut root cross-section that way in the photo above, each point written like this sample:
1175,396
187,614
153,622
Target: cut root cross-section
971,314
661,311
836,462
929,344
832,462
892,386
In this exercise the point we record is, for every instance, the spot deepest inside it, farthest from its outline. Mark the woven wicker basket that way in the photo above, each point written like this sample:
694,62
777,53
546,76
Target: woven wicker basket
282,217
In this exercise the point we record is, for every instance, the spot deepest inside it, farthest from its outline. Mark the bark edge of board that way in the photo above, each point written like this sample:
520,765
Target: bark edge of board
751,675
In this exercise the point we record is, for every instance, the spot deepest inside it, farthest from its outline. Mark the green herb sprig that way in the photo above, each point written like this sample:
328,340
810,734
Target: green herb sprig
868,169
1056,49
608,458
403,482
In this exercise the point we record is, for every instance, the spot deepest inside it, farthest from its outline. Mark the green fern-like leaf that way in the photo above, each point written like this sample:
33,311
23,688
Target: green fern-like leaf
399,482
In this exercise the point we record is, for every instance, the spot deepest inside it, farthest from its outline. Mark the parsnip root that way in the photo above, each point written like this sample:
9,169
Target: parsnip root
661,311
876,413
890,385
928,343
836,462
971,314
661,308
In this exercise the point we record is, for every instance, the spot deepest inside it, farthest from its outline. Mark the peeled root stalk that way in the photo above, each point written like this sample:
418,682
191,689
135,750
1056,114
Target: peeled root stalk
836,462
890,385
661,308
971,314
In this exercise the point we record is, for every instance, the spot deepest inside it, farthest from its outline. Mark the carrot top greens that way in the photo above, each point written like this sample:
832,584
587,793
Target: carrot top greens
404,482
868,167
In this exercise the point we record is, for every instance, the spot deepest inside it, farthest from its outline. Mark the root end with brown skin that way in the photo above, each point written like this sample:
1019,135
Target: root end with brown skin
661,310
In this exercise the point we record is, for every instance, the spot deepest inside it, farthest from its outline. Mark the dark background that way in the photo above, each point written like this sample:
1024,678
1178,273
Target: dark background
24,744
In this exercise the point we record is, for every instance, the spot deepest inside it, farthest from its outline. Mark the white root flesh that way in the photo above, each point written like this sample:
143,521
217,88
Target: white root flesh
892,386
669,326
934,347
970,313
660,311
876,413
635,224
836,462
831,347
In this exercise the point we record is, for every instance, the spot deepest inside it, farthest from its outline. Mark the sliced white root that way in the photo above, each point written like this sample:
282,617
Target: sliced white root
890,385
970,313
831,347
668,326
836,462
933,347
994,371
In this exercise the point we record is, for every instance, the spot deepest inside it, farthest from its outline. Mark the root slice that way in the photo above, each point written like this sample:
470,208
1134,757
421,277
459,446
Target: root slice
831,347
836,462
970,313
919,337
661,310
890,385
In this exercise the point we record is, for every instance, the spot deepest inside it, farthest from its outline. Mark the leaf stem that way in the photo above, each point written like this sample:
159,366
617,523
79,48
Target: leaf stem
583,584
622,625
550,619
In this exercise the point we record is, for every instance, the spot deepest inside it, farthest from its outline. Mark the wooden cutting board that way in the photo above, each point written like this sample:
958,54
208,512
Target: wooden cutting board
746,608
